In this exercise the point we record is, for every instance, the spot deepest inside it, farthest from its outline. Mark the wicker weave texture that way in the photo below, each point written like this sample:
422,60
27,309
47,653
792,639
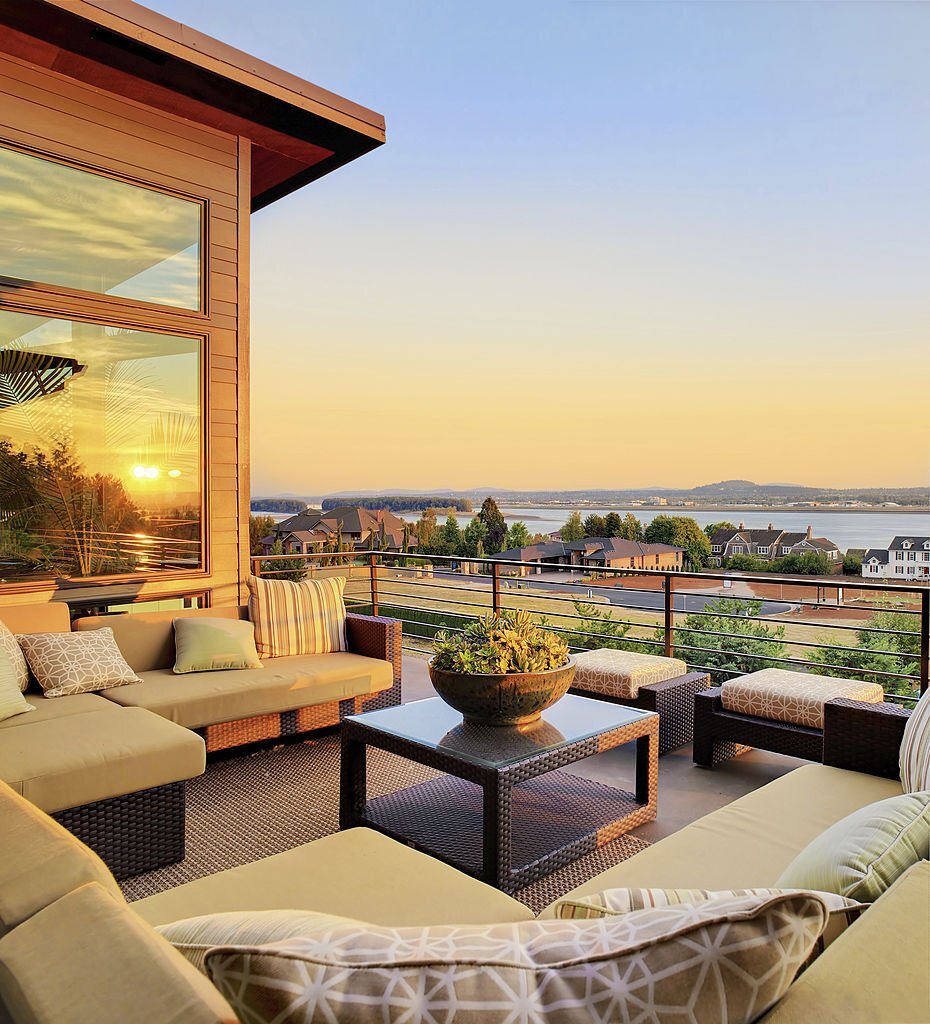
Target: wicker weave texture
133,833
863,737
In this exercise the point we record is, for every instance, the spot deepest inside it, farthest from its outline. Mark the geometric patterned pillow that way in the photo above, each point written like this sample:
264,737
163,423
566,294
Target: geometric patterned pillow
914,757
14,654
720,960
66,663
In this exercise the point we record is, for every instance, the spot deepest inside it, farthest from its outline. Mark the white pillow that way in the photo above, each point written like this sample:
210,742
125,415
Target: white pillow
12,701
10,647
914,759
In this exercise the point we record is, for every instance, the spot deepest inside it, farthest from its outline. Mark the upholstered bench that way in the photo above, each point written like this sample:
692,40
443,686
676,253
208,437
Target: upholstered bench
646,681
774,709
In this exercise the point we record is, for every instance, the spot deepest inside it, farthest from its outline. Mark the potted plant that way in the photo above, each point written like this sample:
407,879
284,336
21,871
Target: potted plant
501,669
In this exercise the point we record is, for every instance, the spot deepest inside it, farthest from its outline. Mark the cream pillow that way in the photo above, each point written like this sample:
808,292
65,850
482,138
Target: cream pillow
210,645
10,647
864,853
12,701
66,663
719,960
297,618
914,758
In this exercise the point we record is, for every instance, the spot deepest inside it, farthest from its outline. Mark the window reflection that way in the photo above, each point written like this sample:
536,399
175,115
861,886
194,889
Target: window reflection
63,226
100,463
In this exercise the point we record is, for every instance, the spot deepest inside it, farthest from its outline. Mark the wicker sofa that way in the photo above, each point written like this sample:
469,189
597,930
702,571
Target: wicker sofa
113,766
874,972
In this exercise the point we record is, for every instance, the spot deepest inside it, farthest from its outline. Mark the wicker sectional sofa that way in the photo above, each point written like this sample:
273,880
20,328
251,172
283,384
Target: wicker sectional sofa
113,766
874,973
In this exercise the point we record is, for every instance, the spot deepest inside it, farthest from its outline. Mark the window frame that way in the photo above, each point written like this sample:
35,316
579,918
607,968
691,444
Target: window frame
43,288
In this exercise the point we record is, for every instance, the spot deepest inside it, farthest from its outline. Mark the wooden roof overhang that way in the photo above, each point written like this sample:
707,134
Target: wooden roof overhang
298,131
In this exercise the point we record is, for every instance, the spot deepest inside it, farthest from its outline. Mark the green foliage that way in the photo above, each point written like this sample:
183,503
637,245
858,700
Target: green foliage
426,531
607,632
294,569
494,644
447,539
573,528
518,536
494,524
291,506
613,525
748,563
810,563
712,528
399,503
595,526
681,532
878,652
745,646
259,528
632,528
474,539
852,565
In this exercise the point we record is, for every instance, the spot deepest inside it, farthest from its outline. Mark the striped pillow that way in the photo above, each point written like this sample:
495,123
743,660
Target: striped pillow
297,618
914,759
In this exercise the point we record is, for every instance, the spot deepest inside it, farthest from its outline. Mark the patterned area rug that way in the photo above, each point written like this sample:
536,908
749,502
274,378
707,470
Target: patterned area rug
245,808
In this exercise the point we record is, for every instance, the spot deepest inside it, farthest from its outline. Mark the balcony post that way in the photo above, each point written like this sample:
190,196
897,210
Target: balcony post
669,622
496,588
924,640
373,573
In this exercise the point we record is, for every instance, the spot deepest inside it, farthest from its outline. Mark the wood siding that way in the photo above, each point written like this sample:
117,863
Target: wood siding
52,114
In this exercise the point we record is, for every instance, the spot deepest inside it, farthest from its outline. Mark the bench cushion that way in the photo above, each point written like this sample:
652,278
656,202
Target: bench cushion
747,844
78,759
796,697
45,708
198,699
358,873
622,673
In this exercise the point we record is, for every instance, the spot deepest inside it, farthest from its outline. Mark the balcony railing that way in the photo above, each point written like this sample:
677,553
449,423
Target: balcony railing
662,611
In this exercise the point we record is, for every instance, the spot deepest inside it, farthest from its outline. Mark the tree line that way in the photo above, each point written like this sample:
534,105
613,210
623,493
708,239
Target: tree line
402,503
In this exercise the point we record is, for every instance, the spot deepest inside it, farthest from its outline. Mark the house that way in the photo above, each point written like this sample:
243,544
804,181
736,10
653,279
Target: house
597,553
349,526
769,543
133,151
905,558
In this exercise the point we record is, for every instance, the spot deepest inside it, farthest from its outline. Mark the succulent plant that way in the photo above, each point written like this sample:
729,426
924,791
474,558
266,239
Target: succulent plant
498,644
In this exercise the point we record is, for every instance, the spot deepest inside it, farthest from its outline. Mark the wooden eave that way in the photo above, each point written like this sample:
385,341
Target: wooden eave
298,131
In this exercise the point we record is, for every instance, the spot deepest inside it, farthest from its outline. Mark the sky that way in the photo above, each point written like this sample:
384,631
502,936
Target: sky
606,245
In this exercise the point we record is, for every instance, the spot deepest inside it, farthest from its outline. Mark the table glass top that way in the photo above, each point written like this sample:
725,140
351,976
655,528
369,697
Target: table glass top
433,724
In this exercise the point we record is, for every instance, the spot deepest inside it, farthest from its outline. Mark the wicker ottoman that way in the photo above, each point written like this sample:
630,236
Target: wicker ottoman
773,709
645,681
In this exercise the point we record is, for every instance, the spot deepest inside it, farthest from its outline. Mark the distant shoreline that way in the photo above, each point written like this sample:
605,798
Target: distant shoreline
576,507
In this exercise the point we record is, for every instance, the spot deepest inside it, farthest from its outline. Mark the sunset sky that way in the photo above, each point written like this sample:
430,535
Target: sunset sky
607,244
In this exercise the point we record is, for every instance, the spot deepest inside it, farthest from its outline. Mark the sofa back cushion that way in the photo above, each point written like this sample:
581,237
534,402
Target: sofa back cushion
914,760
146,639
52,617
40,861
88,959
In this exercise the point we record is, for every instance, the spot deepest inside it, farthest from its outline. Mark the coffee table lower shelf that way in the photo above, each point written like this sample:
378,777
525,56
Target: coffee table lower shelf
554,819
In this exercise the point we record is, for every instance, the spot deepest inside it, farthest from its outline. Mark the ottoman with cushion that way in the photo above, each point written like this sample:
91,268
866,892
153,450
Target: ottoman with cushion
645,681
774,709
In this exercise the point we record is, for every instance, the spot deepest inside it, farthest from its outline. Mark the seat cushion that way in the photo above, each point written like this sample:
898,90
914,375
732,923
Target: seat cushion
750,842
51,974
41,861
796,697
78,759
622,673
876,971
358,873
198,699
45,708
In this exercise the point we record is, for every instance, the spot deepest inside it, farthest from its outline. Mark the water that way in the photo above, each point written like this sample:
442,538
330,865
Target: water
845,529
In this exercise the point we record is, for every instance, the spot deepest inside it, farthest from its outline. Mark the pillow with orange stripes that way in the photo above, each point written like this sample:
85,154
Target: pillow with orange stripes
297,618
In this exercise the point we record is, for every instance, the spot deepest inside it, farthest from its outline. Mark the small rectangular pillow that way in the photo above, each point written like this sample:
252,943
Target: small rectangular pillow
12,701
209,645
712,961
10,647
914,758
297,618
66,663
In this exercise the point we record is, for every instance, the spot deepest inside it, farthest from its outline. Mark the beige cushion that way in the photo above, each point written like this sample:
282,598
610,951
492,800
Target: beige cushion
875,972
796,697
748,843
45,708
146,639
358,873
51,617
41,861
12,653
914,758
622,673
283,684
67,663
74,760
719,960
297,618
87,959
13,703
211,644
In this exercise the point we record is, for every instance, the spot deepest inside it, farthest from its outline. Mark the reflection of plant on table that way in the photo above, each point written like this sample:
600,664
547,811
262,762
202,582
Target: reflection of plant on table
497,644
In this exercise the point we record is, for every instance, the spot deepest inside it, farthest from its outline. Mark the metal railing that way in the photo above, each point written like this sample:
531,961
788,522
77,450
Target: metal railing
665,613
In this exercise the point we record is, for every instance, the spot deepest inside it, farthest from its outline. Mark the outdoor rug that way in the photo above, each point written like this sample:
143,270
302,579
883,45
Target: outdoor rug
251,806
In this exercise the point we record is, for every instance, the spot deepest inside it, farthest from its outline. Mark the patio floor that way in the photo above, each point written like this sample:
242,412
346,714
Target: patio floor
686,792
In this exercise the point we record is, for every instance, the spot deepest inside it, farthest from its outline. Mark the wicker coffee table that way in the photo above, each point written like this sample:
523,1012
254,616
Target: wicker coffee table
503,810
